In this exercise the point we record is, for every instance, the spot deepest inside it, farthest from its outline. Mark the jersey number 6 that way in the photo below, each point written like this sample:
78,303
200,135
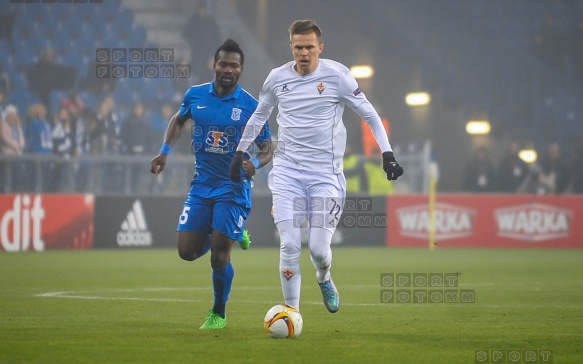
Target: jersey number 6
184,215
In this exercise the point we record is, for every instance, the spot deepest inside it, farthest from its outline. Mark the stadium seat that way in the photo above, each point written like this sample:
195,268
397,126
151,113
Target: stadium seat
5,49
19,81
123,16
55,100
23,99
89,99
24,58
137,35
75,31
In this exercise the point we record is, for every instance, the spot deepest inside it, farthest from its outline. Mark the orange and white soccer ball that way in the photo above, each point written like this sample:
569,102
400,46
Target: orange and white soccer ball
283,322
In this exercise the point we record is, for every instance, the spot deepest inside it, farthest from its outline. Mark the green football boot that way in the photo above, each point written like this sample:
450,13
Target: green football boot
246,241
214,321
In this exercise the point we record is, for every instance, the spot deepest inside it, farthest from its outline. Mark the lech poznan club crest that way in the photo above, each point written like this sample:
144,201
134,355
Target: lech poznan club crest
236,114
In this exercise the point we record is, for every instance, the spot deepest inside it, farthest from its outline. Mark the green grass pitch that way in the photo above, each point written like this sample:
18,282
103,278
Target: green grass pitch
145,306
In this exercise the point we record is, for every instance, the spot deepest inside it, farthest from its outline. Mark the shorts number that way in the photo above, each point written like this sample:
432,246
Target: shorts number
335,210
184,215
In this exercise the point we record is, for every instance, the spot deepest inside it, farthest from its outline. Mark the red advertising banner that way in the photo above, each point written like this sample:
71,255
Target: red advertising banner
487,221
30,222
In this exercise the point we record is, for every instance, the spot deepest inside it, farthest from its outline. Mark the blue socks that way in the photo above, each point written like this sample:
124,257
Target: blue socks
222,280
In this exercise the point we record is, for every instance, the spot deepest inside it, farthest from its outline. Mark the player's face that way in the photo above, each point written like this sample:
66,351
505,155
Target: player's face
306,50
227,69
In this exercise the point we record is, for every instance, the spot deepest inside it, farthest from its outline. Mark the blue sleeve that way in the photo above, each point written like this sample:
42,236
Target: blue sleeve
186,104
265,134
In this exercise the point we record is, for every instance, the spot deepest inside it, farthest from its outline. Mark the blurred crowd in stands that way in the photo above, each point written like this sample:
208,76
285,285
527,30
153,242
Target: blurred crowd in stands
71,128
551,173
53,103
56,106
74,129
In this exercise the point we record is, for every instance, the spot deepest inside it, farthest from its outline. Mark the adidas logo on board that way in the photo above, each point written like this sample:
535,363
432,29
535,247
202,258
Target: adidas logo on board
134,229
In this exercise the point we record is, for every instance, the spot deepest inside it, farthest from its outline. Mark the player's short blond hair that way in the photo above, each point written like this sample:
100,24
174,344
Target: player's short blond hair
305,27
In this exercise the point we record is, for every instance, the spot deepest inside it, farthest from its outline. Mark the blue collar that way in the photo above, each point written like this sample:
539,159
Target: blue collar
232,96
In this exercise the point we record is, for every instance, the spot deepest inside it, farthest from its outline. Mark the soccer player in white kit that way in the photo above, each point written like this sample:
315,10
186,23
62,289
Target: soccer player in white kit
306,180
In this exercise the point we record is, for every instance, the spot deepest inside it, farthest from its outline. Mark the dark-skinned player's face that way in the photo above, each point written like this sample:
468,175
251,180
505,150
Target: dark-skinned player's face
228,69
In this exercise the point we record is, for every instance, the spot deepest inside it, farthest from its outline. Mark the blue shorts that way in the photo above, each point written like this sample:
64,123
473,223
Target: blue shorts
215,208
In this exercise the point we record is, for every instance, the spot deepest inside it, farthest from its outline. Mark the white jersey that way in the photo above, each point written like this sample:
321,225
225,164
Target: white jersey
311,133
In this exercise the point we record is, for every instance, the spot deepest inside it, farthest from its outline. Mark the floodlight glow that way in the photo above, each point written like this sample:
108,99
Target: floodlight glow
417,98
475,127
528,155
363,71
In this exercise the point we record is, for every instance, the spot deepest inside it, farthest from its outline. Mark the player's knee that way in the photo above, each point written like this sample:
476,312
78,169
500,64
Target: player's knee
289,251
186,256
320,255
218,261
290,245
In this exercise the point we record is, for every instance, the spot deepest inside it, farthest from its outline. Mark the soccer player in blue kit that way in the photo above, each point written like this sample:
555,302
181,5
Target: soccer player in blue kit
216,205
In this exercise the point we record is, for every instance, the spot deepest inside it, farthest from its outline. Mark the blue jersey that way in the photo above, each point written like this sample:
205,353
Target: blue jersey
39,137
218,126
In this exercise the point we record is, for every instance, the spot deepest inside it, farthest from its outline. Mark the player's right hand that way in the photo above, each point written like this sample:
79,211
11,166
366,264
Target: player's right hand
236,164
391,167
157,164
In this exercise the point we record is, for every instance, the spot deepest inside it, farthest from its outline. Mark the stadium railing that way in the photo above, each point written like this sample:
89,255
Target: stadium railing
130,175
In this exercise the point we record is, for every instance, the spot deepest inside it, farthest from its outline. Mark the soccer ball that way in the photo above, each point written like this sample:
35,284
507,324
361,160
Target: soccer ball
283,322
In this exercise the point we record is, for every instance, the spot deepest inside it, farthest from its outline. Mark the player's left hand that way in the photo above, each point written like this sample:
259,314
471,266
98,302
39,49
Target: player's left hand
236,164
391,167
249,168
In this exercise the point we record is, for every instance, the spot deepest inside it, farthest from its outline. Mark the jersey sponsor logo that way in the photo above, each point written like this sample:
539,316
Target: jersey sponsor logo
321,87
236,114
533,222
216,142
200,107
134,229
288,273
284,88
451,221
357,92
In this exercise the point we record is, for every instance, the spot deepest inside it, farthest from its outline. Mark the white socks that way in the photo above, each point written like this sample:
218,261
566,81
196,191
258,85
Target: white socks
320,252
289,258
289,262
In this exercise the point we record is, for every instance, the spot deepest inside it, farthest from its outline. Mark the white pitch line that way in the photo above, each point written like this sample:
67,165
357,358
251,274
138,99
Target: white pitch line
78,295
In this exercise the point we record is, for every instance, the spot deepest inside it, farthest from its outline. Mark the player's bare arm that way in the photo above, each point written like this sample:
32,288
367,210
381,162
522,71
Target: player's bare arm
173,133
264,156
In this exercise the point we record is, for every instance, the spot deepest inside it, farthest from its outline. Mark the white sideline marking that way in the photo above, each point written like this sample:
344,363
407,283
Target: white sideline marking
91,295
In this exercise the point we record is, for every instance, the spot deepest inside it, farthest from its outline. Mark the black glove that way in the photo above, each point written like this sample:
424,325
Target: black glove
391,167
236,164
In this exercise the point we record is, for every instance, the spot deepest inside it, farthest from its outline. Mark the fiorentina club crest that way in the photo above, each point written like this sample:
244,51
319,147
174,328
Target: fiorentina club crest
287,273
321,87
236,114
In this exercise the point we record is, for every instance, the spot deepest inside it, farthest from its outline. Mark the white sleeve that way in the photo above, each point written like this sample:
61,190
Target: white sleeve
254,126
353,96
267,101
367,112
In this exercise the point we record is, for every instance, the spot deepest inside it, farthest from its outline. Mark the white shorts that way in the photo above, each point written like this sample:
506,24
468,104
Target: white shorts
304,196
